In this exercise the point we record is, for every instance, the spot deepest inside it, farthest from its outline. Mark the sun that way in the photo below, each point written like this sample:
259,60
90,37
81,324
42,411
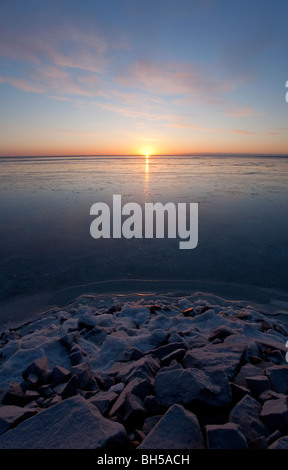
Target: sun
147,154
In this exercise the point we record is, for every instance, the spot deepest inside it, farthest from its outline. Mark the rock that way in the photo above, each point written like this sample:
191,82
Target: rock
152,405
40,368
145,368
225,436
103,401
60,375
248,370
169,348
275,414
11,415
71,388
281,443
69,340
177,355
31,381
258,384
15,395
86,381
138,387
187,385
150,422
278,378
71,424
87,322
177,429
214,357
221,333
76,355
134,412
238,392
247,415
117,388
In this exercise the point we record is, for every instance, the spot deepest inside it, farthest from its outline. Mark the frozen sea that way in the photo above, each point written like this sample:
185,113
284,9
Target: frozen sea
47,255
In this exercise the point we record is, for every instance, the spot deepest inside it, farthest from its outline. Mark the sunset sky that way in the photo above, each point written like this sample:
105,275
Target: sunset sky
133,76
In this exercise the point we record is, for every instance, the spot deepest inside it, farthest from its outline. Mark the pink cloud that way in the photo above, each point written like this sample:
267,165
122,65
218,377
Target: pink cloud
243,111
22,84
172,79
240,131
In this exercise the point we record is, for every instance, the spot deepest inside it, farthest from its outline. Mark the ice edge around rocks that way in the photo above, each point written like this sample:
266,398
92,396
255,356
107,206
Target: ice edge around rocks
146,372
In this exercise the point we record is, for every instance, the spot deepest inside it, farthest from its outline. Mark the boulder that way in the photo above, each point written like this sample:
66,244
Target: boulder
138,387
278,378
177,429
103,401
145,368
275,414
214,357
258,384
134,412
15,395
184,386
60,375
246,414
71,424
225,436
40,368
11,415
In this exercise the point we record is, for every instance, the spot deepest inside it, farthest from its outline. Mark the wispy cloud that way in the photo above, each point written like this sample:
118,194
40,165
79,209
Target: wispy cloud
172,79
243,132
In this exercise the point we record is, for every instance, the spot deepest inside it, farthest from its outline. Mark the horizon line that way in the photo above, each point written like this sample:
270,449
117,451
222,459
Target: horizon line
200,154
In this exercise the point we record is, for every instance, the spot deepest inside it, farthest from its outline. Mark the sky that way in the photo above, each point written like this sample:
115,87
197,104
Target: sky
97,77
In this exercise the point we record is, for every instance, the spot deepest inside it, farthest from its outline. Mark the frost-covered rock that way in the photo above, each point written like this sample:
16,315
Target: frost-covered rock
11,415
178,429
225,436
71,424
275,414
188,385
246,414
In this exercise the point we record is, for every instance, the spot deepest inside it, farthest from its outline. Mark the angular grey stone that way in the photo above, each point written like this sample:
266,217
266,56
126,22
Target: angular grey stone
145,368
60,375
258,384
138,387
87,321
225,436
184,386
152,405
248,370
246,414
214,357
178,355
166,349
275,414
221,333
134,412
103,401
69,339
15,395
150,422
72,424
281,443
39,367
177,429
278,378
71,388
11,415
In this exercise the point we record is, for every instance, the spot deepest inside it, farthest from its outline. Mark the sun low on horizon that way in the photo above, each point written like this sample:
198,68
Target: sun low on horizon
129,78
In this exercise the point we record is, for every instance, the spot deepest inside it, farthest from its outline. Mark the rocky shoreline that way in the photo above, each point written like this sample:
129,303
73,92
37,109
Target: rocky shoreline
145,373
